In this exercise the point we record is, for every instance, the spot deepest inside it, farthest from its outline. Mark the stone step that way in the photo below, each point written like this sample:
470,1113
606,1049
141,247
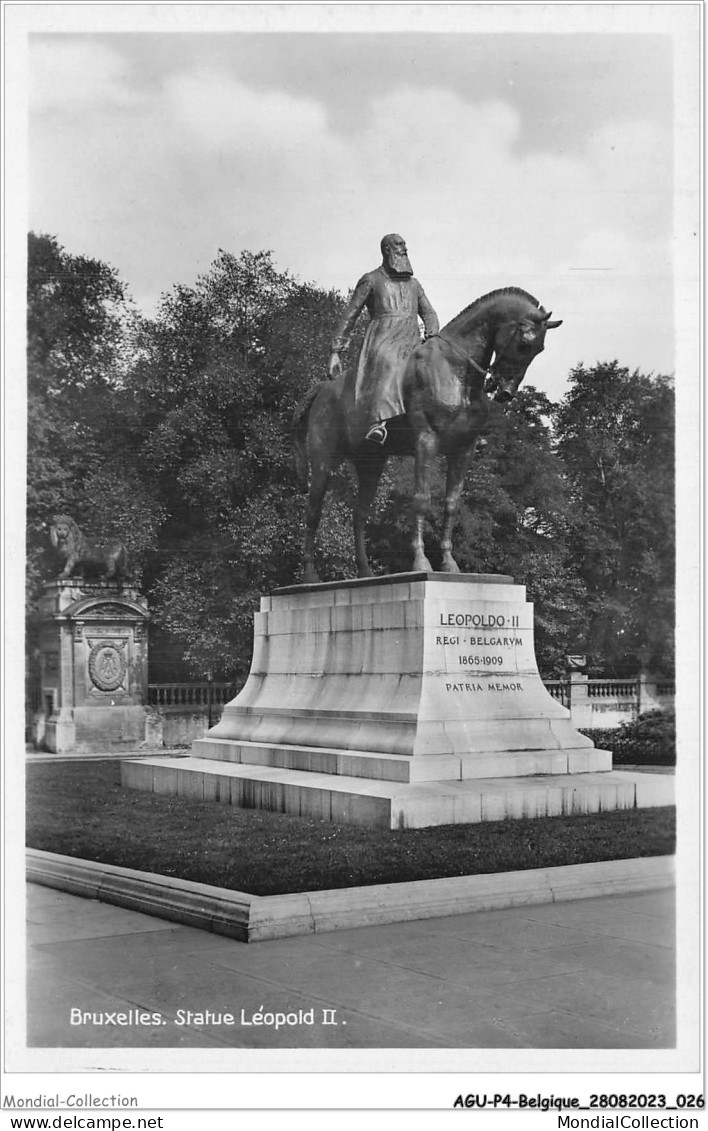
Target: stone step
397,767
396,805
330,760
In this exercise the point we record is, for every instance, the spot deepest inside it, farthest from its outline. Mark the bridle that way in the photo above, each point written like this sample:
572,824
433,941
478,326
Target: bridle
460,353
498,357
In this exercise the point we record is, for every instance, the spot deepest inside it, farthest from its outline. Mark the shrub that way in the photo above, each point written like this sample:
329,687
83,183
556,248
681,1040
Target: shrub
650,740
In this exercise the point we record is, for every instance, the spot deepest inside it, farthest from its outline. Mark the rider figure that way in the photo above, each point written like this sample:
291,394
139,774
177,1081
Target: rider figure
395,301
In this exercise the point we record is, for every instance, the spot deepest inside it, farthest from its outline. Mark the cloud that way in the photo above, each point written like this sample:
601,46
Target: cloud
210,162
223,113
632,173
74,75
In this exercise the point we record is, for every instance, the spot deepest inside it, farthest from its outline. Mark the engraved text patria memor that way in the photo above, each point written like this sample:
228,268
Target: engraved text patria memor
494,631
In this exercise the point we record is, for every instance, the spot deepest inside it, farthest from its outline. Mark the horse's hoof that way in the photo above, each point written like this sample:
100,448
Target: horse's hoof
309,577
449,565
422,565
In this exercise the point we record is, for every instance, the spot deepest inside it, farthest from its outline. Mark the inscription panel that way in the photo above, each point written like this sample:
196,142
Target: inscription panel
481,680
481,648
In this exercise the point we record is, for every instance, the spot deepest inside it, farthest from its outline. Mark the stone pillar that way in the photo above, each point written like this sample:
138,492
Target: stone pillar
93,662
580,705
648,693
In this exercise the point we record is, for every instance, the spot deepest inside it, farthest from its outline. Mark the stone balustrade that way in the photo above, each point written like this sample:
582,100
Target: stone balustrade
176,695
612,688
608,703
179,713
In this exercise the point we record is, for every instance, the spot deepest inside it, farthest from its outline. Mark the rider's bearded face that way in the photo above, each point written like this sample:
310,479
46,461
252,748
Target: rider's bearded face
395,256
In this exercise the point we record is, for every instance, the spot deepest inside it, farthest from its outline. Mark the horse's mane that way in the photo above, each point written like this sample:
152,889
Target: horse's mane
517,292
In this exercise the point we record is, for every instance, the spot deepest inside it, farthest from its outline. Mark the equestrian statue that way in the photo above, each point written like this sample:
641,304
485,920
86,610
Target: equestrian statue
411,397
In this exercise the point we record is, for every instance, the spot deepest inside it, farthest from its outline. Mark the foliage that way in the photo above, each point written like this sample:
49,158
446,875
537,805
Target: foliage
83,811
650,740
75,316
222,368
80,330
615,436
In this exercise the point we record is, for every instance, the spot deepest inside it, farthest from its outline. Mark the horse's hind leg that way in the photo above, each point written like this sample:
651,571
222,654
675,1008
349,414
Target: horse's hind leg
318,487
369,466
457,465
425,452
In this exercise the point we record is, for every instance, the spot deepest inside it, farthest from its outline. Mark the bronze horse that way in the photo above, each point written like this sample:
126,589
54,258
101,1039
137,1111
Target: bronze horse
445,411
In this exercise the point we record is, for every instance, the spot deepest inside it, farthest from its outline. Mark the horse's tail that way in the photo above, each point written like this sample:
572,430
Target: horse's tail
301,462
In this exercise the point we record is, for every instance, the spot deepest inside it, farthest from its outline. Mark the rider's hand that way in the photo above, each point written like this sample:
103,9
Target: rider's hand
334,369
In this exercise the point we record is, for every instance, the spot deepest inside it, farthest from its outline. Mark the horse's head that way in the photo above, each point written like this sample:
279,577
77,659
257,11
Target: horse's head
516,344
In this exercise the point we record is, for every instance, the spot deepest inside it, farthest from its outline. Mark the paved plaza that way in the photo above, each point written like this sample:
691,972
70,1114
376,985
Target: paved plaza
593,973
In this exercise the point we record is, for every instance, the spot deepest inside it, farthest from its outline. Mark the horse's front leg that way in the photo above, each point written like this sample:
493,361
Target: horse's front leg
369,466
457,465
426,447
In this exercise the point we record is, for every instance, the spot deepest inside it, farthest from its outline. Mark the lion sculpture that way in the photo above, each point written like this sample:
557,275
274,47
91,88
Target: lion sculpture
85,558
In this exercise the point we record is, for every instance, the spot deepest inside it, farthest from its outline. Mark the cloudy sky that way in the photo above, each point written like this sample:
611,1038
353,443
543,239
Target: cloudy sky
537,158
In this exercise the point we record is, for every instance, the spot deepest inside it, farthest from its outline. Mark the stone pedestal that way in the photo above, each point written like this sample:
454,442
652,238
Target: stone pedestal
426,666
93,657
406,700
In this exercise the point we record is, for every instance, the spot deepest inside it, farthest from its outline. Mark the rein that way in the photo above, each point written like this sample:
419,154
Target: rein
462,354
470,360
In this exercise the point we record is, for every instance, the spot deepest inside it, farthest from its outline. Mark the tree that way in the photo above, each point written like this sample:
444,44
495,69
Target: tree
80,325
615,435
221,368
76,312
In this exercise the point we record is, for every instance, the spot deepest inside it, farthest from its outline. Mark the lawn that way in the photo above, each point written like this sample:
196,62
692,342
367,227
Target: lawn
82,810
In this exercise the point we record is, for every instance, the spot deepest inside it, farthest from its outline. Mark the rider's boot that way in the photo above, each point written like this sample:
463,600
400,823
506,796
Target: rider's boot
378,434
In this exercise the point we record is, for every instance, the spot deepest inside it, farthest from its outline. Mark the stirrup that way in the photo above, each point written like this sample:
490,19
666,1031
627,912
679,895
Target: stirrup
378,434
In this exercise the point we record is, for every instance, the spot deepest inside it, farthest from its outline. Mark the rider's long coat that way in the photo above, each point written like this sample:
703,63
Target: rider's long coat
394,304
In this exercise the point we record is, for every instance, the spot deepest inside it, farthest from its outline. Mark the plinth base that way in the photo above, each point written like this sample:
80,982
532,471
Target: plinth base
414,664
399,702
397,767
88,730
396,805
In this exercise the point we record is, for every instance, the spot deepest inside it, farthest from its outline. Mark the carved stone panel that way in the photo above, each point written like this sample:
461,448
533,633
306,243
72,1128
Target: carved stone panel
108,665
107,611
